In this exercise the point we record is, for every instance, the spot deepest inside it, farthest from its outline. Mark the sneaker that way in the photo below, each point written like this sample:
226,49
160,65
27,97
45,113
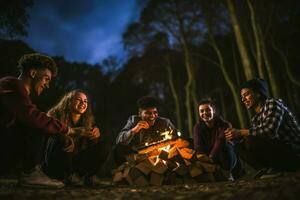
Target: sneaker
230,177
260,173
271,173
73,180
37,178
267,173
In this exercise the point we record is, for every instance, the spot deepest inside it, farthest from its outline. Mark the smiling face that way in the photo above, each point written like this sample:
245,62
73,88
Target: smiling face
149,115
206,112
79,103
249,98
41,80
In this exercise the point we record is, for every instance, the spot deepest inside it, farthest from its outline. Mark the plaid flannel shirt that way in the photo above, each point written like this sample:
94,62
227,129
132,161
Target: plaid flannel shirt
276,121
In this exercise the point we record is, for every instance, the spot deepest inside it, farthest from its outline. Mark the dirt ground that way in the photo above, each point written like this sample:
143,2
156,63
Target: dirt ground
285,187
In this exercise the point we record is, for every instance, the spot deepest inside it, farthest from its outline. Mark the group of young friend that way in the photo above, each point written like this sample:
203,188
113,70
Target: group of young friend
66,145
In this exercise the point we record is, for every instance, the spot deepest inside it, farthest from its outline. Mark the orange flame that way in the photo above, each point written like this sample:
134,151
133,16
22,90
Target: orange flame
167,134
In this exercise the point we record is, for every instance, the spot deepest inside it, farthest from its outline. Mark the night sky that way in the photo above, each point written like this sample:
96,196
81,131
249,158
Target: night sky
80,30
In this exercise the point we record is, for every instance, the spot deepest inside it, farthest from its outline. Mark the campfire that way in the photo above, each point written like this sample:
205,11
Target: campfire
168,161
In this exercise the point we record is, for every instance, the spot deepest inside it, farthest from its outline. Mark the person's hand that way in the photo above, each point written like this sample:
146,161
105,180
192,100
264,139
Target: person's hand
140,125
81,131
73,131
68,144
232,133
95,132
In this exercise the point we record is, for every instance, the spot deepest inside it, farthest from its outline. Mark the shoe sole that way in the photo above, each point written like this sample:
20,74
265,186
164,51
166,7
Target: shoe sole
36,186
259,173
267,176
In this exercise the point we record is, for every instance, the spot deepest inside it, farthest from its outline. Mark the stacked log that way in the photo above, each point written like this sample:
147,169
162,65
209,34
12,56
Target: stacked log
171,162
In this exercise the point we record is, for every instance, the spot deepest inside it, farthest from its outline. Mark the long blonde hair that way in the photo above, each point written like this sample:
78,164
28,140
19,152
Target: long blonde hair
63,110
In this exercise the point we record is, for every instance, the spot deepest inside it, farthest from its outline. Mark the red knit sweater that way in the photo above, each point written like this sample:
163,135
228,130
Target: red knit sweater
16,107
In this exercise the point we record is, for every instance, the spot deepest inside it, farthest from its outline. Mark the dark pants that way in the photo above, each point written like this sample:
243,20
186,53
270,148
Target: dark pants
83,161
228,159
225,157
21,146
120,152
263,152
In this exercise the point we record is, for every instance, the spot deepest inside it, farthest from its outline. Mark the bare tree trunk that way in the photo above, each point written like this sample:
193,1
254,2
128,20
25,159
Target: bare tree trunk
194,96
236,68
286,65
228,80
174,93
258,52
289,94
188,86
248,68
269,68
238,80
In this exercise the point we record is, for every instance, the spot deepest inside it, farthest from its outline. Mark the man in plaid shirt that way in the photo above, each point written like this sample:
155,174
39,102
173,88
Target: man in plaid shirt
273,140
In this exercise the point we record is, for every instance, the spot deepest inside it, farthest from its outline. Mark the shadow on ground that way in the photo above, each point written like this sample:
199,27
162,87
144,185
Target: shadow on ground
286,187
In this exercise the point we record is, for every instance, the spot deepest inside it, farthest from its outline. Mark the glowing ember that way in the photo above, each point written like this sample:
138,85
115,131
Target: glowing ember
179,133
156,160
167,134
166,148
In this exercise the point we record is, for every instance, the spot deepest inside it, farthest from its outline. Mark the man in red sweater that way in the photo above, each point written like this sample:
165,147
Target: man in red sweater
23,125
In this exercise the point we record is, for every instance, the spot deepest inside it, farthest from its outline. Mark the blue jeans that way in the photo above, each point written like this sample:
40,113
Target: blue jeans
232,157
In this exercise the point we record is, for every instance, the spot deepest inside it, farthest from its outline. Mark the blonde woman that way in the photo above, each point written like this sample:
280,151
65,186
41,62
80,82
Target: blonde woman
76,159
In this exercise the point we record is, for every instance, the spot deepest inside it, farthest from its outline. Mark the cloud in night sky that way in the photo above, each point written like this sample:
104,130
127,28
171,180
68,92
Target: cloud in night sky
80,30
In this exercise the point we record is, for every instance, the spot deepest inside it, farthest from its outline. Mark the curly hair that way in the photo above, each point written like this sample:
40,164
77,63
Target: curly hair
147,102
63,110
36,61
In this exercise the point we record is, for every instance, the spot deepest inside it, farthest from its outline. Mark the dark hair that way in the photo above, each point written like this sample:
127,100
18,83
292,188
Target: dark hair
147,102
208,101
258,85
36,61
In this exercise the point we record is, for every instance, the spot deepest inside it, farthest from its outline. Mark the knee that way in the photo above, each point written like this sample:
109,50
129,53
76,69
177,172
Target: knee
254,144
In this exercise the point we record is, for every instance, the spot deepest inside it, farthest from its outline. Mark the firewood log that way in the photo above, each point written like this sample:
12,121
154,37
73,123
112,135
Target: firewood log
181,169
186,153
195,171
120,168
143,167
156,179
141,181
173,152
202,157
164,155
207,167
160,167
118,176
187,163
132,175
170,178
